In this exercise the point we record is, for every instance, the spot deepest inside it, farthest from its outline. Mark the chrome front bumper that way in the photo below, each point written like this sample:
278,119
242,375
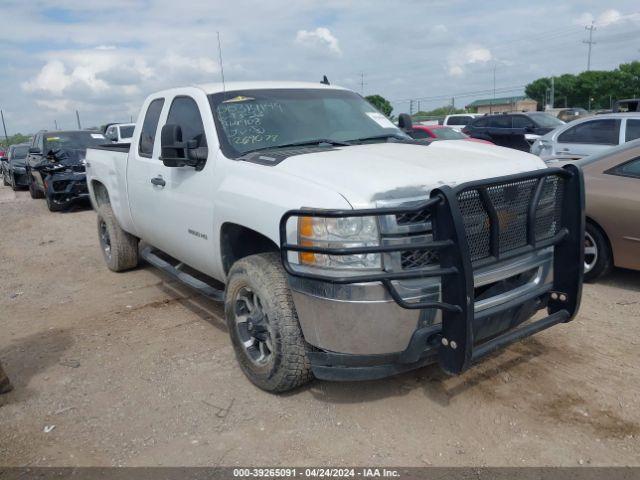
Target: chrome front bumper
363,318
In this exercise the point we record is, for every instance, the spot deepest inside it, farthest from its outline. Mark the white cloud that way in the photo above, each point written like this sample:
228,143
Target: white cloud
608,17
52,79
59,105
460,58
320,39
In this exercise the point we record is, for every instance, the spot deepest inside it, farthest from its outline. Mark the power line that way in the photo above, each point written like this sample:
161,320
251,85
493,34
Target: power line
591,28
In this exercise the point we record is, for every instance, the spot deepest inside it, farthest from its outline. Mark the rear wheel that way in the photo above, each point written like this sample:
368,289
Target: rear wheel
263,325
12,177
4,179
598,260
119,248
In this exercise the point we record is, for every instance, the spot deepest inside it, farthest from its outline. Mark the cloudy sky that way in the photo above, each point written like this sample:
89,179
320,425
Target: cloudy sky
103,58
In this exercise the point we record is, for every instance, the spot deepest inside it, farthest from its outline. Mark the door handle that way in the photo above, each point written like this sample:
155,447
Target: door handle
158,181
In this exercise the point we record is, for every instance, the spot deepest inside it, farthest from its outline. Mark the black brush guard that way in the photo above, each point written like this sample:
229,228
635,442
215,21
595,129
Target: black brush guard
458,349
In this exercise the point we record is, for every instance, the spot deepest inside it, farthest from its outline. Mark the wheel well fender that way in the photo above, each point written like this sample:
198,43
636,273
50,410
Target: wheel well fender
237,242
100,193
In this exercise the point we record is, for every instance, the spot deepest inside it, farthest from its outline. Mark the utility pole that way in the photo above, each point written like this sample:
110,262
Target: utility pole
494,88
591,28
55,122
220,58
410,107
362,83
6,137
78,119
419,106
453,104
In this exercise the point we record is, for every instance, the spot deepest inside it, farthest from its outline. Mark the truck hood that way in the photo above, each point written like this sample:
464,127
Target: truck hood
367,175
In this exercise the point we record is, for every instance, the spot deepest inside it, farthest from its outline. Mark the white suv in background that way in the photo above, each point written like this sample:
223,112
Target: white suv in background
585,137
459,120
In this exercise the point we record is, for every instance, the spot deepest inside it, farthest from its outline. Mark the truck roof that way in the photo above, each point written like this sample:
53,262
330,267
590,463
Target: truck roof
210,88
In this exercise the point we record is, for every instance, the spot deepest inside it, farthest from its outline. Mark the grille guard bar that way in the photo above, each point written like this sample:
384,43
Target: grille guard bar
456,266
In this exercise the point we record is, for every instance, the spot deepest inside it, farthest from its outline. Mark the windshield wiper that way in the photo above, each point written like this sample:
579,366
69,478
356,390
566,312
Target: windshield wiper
385,136
305,143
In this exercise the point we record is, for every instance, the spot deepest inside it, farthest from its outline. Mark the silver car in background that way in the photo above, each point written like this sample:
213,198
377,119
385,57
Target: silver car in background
587,136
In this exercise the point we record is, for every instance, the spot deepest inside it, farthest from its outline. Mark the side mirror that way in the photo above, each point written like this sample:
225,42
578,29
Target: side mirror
35,150
404,122
174,152
529,129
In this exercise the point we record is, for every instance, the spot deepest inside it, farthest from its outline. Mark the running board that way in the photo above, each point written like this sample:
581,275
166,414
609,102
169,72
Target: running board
189,280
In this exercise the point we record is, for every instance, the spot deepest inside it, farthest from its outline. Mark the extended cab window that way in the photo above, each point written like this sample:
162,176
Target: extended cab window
184,112
633,130
149,127
605,131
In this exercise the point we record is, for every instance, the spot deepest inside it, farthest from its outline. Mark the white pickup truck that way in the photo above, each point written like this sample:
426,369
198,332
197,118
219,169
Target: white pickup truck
342,248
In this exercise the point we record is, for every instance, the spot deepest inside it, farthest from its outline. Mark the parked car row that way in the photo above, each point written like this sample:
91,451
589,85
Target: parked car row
587,136
13,166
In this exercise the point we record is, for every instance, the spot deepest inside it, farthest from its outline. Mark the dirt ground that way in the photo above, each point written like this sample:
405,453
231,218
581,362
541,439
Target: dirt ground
134,369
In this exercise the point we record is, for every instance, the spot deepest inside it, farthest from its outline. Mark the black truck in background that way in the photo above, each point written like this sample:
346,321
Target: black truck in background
56,166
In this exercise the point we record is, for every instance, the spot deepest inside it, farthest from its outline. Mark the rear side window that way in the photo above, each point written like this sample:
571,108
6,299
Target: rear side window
184,112
501,121
633,130
149,128
627,169
605,131
520,121
459,120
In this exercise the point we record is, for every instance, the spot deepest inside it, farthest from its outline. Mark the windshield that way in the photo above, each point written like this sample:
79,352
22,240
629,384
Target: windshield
72,140
20,153
545,120
126,132
448,134
250,120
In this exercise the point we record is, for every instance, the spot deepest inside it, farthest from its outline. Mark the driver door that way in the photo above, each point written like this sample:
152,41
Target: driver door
173,207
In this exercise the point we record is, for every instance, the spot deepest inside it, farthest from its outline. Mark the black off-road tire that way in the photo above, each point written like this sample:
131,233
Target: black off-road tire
604,258
34,191
14,187
288,366
119,248
4,180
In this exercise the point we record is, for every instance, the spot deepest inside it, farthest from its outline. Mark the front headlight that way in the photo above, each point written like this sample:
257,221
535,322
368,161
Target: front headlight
342,232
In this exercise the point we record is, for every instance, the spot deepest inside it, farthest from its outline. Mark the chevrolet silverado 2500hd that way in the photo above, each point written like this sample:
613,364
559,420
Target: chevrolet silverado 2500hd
342,248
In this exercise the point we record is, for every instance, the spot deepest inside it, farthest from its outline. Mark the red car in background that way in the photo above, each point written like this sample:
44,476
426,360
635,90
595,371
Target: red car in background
441,132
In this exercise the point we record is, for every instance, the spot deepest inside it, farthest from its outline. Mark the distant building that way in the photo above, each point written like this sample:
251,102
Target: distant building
504,104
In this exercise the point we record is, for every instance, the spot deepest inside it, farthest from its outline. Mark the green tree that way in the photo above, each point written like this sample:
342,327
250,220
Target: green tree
14,139
380,103
595,89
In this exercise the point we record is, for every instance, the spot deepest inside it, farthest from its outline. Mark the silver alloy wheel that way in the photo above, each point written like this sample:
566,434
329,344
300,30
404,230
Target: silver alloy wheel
105,240
590,252
253,327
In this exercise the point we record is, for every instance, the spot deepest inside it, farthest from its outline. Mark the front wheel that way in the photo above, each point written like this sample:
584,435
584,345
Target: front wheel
34,191
263,325
598,260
